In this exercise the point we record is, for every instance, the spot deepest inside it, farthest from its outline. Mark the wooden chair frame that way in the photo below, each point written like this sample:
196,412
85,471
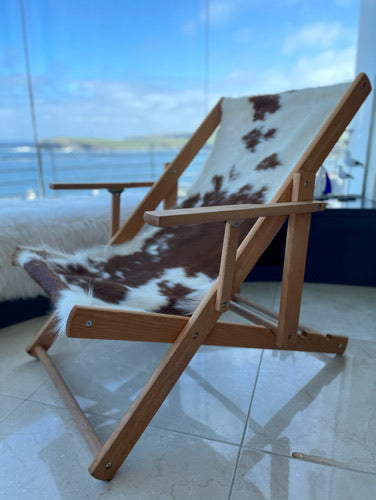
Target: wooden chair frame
283,331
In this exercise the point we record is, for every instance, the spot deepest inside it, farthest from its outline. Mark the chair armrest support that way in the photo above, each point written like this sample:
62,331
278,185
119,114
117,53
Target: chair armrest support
201,215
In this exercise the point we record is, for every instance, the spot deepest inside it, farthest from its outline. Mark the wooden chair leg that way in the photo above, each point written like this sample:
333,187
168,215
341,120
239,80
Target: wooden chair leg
295,261
125,436
44,338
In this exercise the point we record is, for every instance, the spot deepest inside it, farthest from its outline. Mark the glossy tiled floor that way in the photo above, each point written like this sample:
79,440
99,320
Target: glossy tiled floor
230,429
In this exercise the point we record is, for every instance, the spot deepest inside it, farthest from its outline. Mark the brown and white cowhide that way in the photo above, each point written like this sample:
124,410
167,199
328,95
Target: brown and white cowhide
259,141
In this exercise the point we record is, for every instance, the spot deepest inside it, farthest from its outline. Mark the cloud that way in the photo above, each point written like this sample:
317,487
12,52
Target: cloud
325,68
115,109
219,12
318,35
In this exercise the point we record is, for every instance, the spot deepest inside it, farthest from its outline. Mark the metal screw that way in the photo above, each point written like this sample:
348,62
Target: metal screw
108,465
306,184
88,323
340,346
224,304
195,335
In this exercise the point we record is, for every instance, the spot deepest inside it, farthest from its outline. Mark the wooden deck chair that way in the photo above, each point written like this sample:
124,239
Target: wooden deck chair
171,283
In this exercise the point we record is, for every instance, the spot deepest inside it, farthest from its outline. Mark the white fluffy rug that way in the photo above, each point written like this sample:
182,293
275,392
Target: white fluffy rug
67,223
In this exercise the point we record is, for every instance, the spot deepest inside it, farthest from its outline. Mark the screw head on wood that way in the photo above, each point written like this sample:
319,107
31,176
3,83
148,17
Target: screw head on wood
195,335
108,465
224,304
88,323
306,184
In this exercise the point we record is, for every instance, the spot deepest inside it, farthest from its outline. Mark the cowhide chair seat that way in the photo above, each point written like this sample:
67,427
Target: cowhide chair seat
169,270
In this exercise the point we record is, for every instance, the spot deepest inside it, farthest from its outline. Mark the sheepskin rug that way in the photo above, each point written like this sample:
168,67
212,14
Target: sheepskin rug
69,223
169,270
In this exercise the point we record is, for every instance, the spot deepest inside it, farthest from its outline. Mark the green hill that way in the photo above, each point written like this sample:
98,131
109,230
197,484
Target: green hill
142,142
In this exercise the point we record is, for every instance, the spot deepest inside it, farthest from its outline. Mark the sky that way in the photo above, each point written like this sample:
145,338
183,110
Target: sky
121,68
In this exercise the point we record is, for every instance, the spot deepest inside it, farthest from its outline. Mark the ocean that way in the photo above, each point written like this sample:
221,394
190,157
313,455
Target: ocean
19,168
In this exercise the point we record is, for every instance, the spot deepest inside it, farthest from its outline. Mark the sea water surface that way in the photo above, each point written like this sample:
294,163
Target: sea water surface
19,177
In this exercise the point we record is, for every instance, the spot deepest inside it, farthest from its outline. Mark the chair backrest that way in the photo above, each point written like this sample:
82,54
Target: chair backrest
259,141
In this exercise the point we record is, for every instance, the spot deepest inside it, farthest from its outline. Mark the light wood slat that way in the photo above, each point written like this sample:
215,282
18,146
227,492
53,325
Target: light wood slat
227,266
169,178
295,261
171,197
185,216
99,185
66,395
110,324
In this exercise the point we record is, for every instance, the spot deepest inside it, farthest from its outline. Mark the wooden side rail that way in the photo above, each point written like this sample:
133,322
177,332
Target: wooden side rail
201,215
114,324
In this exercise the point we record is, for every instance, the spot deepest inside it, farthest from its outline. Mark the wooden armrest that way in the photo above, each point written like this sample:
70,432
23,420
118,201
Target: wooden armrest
185,216
111,186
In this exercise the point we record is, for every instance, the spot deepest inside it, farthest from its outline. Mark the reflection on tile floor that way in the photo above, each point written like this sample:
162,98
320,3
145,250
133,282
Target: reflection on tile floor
227,430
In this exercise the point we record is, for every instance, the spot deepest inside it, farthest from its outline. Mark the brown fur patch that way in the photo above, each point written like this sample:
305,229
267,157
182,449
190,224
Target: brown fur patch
174,293
263,104
271,161
234,174
255,136
252,139
270,133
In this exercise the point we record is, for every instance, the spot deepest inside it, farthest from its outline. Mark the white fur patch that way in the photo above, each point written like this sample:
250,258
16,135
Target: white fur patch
146,298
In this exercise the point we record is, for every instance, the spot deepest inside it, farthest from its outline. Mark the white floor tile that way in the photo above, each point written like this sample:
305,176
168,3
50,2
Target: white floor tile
7,405
341,310
44,457
316,405
20,374
262,476
210,400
